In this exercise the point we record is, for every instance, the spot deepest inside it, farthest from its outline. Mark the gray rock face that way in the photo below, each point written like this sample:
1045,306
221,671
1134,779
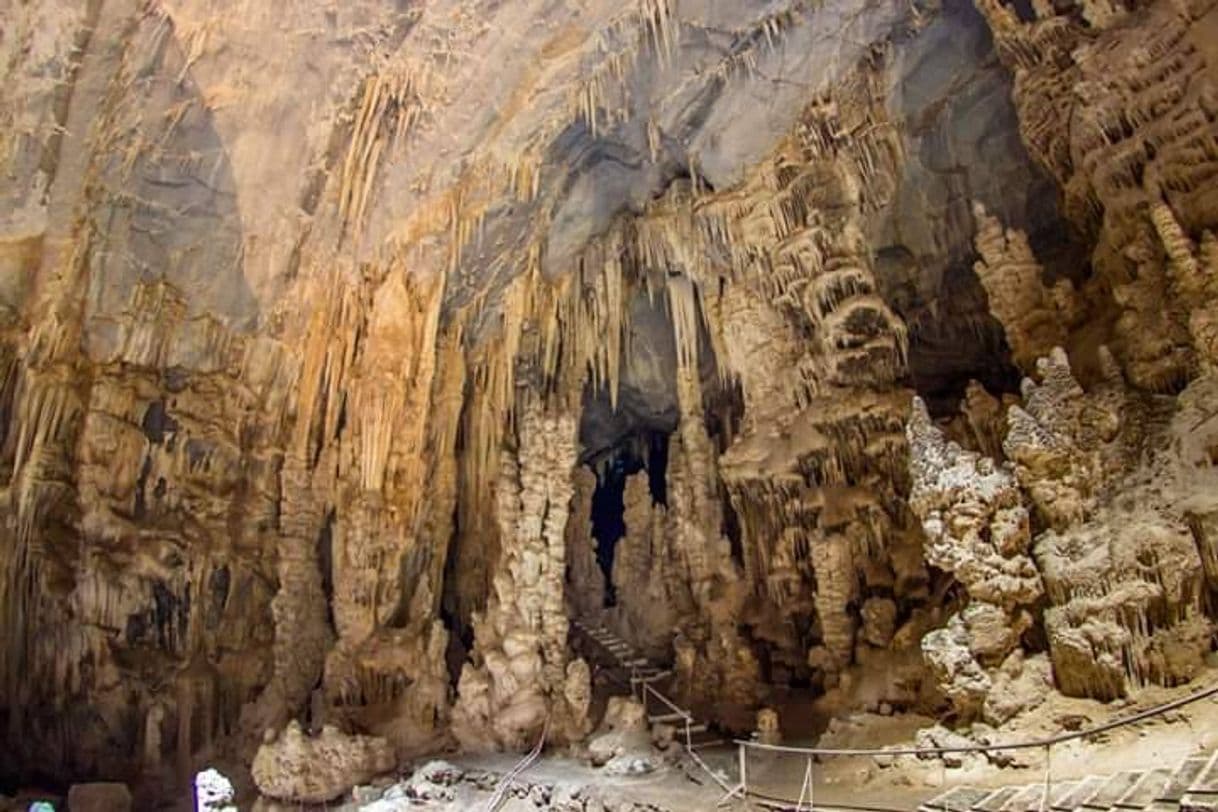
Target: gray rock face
960,138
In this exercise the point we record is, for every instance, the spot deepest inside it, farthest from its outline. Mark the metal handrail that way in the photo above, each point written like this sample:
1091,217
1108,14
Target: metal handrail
1047,744
706,768
980,748
665,701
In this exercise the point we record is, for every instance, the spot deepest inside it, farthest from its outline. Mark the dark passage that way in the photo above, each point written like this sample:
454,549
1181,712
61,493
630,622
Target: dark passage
646,452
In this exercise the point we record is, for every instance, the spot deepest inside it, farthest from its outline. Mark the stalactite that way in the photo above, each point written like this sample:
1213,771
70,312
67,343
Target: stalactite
392,102
682,298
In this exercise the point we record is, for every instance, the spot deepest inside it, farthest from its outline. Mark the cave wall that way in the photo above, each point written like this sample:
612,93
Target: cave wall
302,311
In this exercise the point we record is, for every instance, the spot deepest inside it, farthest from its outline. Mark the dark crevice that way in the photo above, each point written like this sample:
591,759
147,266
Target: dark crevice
325,563
648,453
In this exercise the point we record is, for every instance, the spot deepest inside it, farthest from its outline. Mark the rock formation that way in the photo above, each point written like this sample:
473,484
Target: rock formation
1034,317
1121,568
976,528
852,352
523,683
294,767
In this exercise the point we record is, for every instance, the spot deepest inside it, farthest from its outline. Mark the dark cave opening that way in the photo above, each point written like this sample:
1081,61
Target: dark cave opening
732,530
646,451
460,630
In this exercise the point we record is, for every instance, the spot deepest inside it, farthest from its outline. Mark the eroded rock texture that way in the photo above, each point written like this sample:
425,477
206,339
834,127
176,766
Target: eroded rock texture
977,528
300,769
349,351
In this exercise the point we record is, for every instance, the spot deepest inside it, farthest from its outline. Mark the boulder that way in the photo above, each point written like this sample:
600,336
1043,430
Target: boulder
294,767
99,797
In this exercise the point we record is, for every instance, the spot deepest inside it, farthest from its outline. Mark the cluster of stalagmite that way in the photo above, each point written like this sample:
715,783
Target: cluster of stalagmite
976,528
523,683
1111,496
304,352
1122,570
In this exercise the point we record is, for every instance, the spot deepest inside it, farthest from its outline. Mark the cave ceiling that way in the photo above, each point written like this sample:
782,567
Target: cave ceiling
883,333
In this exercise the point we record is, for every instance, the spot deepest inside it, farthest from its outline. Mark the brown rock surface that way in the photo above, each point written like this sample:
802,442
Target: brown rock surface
350,351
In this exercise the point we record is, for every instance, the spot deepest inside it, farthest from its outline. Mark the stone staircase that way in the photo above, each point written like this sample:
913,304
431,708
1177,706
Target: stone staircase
640,674
1191,786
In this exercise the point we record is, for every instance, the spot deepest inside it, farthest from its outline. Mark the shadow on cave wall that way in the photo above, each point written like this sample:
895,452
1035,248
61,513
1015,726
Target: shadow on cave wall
962,143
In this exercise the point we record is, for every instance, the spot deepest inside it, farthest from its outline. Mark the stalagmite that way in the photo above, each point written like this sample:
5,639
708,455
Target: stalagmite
294,767
650,593
978,529
1017,295
331,335
524,681
585,587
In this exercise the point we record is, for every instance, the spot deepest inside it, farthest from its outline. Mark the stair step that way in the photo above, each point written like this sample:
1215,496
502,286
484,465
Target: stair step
1059,791
1026,800
1112,790
708,743
1071,800
1207,781
665,718
637,661
1182,779
1146,790
1190,786
1206,802
955,800
996,800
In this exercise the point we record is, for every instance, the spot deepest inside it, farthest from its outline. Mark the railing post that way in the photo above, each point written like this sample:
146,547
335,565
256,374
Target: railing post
811,784
744,781
1044,797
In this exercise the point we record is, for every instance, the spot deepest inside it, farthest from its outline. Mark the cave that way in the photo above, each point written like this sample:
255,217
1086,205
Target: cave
589,406
608,505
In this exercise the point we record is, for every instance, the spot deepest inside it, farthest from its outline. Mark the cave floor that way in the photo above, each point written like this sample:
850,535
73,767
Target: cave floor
906,782
865,782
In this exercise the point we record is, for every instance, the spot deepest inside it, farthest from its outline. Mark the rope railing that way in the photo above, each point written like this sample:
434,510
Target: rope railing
977,748
687,719
505,783
665,701
744,745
